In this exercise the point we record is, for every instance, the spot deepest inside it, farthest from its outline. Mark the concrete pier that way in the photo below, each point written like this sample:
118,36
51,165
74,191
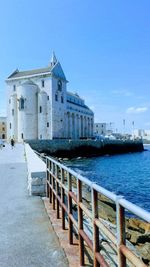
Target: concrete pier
26,234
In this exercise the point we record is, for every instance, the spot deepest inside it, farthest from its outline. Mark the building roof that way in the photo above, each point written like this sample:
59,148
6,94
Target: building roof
20,74
54,68
74,94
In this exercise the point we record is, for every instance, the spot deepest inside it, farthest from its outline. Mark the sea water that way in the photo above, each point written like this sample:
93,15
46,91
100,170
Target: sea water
126,174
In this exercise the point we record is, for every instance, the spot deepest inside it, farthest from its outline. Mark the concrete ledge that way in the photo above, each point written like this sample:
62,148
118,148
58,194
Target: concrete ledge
36,173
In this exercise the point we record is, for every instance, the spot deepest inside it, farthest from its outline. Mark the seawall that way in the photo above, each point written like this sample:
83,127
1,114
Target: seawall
85,148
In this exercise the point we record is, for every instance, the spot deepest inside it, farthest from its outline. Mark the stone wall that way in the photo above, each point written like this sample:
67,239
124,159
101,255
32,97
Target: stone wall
36,173
76,148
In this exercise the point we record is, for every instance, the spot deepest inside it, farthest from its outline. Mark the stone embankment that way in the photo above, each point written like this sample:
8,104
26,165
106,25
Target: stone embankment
84,148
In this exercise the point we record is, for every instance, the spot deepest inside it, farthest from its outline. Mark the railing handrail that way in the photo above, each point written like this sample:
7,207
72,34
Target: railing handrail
142,213
61,190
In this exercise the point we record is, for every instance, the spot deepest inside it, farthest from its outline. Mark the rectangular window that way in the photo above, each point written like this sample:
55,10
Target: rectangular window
48,97
3,129
14,87
62,99
47,124
40,109
21,103
12,112
10,125
9,101
40,136
56,97
43,83
22,135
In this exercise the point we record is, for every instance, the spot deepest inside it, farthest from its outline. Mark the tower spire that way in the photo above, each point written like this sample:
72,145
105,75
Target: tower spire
53,59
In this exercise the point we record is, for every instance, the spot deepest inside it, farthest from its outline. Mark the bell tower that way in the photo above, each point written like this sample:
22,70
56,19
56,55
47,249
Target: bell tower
58,99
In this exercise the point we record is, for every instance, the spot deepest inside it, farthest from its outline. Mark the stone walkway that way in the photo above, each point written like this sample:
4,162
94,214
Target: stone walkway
27,238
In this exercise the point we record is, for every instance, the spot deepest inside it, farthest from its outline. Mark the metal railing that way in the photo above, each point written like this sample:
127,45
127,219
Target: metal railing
65,190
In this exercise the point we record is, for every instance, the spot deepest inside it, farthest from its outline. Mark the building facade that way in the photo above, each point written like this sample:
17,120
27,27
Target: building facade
141,134
103,128
3,128
39,106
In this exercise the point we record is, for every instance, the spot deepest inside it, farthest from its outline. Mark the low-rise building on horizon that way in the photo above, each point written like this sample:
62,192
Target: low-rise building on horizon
3,127
103,129
142,134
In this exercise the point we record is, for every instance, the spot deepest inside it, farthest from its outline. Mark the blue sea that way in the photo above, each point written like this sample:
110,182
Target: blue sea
127,174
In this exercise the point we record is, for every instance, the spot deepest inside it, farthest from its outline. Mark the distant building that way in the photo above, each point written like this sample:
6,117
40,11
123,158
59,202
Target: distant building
103,128
141,133
3,128
39,106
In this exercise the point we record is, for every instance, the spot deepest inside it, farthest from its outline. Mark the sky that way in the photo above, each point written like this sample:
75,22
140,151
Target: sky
102,45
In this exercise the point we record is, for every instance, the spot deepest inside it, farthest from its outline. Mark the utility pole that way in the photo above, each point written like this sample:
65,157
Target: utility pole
124,123
133,129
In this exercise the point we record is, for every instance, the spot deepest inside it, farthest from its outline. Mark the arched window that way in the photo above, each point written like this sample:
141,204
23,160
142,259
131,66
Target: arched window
59,85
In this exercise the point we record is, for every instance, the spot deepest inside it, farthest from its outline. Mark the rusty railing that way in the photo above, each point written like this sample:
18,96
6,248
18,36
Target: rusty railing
65,189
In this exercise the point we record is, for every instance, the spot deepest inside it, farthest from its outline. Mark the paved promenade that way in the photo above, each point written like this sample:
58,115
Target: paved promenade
27,238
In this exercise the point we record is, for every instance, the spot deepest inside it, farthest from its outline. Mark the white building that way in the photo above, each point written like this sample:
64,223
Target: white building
39,106
103,128
141,133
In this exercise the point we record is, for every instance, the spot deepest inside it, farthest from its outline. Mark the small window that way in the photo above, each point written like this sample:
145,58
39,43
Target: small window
3,123
22,135
62,99
10,125
14,87
43,83
40,136
40,109
47,124
9,101
48,97
3,136
59,85
12,112
3,129
21,103
56,97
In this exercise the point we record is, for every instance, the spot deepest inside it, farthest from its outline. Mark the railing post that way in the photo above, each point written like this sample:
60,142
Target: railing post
50,181
62,199
70,208
53,186
47,178
95,227
57,192
121,235
80,223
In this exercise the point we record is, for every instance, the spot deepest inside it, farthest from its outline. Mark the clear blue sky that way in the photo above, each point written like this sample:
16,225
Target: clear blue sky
103,47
